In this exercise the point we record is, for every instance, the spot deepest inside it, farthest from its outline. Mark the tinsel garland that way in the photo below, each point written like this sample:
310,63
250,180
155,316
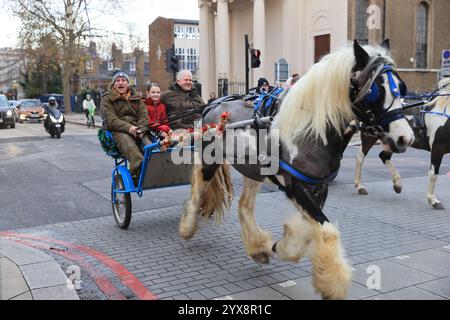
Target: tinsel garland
196,133
108,144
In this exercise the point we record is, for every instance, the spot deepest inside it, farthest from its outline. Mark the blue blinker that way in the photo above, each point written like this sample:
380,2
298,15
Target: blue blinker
373,94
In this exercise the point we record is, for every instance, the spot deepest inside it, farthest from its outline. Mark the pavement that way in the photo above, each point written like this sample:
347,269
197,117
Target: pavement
80,118
29,274
398,246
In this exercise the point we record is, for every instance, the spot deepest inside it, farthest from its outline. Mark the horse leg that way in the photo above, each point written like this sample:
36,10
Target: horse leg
331,272
366,144
436,160
257,241
386,156
296,239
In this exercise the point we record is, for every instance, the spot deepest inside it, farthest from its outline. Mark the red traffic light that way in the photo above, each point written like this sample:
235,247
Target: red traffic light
256,55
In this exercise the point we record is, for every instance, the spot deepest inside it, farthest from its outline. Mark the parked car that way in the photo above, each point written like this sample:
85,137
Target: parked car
6,113
30,109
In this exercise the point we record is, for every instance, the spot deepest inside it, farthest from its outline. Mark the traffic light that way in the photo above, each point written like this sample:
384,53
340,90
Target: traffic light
172,61
256,58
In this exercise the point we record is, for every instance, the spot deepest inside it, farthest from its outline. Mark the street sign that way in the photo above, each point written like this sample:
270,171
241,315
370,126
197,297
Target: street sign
446,63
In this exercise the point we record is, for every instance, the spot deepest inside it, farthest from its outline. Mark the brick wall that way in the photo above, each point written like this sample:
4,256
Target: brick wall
161,38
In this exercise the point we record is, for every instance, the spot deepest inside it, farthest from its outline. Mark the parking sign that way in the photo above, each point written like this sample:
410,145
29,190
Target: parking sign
446,63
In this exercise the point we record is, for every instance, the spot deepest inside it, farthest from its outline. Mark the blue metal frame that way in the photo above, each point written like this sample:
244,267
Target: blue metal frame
121,167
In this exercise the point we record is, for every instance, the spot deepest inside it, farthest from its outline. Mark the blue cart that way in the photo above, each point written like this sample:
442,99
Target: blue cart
157,171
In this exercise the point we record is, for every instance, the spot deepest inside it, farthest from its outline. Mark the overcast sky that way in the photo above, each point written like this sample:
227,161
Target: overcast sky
140,13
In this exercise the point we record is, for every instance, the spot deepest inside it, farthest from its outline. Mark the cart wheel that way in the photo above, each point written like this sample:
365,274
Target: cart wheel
122,206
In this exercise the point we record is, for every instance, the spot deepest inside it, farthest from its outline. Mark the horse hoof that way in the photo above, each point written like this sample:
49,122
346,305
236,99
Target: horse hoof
262,258
438,206
398,189
274,247
363,192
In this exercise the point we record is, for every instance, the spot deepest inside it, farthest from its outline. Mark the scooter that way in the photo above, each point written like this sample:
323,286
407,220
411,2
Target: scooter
55,123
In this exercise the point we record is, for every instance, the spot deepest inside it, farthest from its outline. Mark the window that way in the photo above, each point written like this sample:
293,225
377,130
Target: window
89,65
361,31
110,66
132,66
282,70
422,36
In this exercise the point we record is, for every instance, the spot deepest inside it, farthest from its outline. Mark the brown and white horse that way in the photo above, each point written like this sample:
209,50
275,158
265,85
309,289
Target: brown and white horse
311,126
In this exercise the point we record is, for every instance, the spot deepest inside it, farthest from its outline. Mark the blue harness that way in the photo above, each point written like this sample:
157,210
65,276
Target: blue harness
265,101
304,178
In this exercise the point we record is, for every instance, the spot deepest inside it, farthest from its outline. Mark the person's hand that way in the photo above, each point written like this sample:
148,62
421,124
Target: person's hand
135,132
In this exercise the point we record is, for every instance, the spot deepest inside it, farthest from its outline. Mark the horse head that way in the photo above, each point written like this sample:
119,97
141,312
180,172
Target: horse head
375,93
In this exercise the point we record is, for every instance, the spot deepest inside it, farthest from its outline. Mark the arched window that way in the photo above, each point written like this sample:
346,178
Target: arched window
361,31
422,36
282,70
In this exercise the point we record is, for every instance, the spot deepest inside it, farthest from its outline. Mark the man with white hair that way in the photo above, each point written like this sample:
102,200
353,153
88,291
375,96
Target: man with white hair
182,98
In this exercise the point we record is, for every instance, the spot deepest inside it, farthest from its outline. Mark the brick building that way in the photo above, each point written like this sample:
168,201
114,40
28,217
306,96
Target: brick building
184,36
418,31
99,70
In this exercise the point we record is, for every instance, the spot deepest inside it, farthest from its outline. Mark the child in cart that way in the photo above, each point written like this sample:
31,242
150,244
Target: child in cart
158,122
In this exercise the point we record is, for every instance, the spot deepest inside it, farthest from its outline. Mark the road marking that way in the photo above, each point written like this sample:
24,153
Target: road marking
288,284
448,174
403,257
125,276
100,280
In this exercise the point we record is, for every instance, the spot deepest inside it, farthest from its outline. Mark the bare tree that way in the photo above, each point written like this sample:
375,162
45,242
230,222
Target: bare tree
69,23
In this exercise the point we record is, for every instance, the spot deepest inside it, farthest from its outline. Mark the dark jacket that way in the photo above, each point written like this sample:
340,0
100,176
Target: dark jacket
121,113
178,101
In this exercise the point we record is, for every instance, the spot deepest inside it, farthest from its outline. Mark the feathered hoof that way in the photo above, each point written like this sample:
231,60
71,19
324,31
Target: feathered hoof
261,258
362,192
398,189
438,206
186,234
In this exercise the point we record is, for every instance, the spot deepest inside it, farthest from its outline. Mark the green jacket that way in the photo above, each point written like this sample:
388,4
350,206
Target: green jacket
178,101
121,114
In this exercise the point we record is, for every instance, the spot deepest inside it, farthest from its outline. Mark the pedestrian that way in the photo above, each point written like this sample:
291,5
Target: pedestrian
157,114
182,99
127,119
212,97
88,104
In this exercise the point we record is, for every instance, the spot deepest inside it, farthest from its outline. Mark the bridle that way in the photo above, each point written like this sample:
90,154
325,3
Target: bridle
376,123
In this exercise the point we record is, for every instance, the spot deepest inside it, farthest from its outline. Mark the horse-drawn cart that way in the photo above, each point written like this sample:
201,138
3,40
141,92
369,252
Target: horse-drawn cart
163,173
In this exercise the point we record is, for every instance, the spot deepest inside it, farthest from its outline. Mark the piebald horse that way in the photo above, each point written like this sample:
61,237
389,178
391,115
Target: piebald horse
432,133
311,123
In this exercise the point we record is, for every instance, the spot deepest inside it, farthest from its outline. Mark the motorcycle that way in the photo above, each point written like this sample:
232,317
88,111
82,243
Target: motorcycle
54,123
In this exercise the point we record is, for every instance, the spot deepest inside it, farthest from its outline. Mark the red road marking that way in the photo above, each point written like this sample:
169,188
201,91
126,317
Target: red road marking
102,282
448,174
127,278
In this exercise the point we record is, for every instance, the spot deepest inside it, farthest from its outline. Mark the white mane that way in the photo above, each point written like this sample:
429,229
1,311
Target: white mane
320,99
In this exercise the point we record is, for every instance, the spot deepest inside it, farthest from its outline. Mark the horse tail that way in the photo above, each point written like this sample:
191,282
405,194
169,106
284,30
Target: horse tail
218,194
